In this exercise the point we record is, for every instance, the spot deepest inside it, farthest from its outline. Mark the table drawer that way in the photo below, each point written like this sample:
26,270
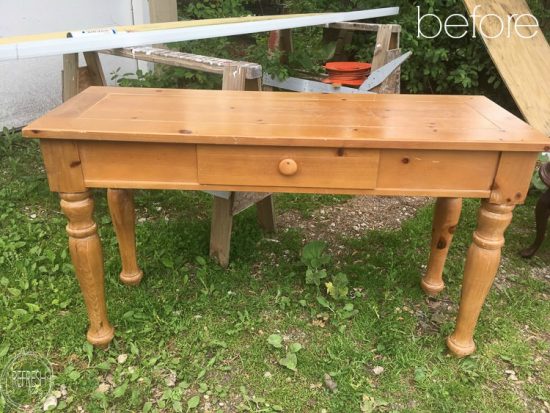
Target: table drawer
288,167
137,164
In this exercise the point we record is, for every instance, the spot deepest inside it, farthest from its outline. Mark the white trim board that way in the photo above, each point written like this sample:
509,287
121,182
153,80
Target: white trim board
23,50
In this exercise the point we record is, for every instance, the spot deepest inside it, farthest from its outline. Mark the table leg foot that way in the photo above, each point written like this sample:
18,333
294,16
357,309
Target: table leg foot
460,349
445,220
121,206
432,289
101,341
87,258
480,270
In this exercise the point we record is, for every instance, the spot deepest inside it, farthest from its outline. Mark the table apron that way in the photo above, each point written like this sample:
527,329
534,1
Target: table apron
73,166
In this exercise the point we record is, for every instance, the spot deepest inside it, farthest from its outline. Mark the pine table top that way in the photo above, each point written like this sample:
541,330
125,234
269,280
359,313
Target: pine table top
288,119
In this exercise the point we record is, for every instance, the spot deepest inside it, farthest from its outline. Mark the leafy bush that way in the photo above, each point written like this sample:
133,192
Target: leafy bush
167,77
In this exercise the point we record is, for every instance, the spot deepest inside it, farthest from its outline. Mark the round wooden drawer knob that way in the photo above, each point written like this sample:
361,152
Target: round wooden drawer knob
288,167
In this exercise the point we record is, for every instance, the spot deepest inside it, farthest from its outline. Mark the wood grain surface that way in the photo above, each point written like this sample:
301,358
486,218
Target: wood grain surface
288,119
522,62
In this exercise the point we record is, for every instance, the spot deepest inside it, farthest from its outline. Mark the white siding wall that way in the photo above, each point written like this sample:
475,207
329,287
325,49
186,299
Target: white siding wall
30,87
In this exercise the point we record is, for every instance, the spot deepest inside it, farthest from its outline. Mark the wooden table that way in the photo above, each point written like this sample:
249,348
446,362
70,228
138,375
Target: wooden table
450,147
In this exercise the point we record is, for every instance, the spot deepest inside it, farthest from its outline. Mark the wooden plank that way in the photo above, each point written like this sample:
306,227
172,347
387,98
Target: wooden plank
220,231
395,41
84,79
364,27
187,60
522,63
95,70
234,77
381,52
514,171
174,24
392,84
293,119
286,44
281,40
244,200
70,76
383,39
253,84
266,214
27,49
150,27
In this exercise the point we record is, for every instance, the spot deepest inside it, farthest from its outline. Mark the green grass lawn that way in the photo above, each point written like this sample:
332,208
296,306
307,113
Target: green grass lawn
194,332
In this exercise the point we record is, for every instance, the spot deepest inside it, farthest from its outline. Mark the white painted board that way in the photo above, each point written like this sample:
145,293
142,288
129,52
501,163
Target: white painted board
109,39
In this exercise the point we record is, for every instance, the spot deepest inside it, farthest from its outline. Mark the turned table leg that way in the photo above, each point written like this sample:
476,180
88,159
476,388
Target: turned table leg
445,220
542,212
481,267
121,206
85,248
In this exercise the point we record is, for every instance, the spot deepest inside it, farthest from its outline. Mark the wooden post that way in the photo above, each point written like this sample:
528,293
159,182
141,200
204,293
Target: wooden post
386,49
75,79
481,267
383,40
253,84
266,214
70,76
95,71
220,231
234,77
281,40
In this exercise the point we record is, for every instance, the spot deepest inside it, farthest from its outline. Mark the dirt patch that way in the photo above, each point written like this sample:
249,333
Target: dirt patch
352,218
541,273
